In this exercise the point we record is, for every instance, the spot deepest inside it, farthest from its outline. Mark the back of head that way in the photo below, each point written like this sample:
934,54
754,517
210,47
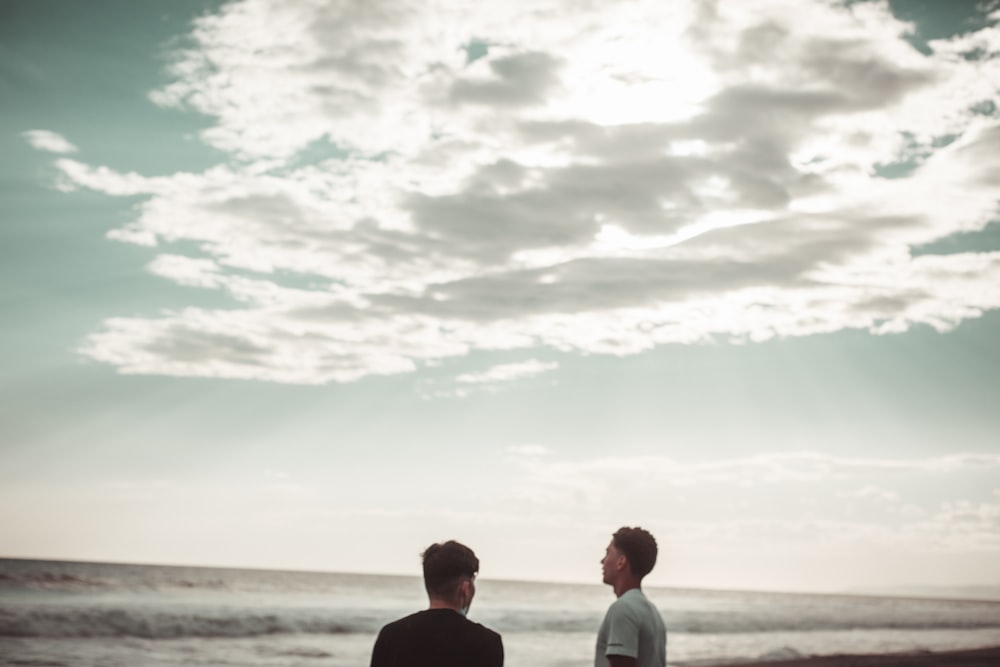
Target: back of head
445,566
639,547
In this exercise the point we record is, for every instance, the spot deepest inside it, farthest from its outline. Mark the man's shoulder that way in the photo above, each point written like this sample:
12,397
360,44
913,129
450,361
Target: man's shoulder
484,631
406,622
631,602
436,617
627,600
479,631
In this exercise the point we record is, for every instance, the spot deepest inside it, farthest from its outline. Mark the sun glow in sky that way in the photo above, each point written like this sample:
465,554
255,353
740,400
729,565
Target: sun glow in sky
279,274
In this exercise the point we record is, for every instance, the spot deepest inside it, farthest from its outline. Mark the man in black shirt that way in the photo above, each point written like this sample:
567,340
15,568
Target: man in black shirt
441,636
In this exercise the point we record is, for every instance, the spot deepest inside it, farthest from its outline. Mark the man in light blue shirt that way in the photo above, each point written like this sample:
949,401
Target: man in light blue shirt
632,633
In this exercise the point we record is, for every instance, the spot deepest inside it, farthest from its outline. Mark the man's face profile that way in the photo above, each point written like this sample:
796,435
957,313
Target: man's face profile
610,562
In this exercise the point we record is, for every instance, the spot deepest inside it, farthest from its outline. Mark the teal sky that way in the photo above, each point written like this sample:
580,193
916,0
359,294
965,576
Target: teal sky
303,289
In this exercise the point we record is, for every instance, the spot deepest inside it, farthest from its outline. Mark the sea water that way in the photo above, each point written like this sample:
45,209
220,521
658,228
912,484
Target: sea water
105,615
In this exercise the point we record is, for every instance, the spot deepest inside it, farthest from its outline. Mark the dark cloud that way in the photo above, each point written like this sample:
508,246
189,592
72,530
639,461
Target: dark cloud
568,205
592,284
188,345
492,227
984,152
896,302
802,242
521,79
867,80
847,69
610,144
780,253
356,41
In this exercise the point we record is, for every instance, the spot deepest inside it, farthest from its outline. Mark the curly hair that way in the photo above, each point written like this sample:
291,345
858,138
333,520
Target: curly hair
445,565
639,547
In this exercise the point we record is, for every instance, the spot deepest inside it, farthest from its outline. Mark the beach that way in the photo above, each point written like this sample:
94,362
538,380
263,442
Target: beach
986,657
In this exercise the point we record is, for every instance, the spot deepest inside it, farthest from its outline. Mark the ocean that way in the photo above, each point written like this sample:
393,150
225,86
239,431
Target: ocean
105,615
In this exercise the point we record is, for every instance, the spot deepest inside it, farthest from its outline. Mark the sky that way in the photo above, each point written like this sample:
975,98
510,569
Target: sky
313,285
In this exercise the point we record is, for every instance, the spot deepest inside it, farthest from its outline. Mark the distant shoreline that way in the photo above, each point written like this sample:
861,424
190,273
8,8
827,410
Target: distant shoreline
981,657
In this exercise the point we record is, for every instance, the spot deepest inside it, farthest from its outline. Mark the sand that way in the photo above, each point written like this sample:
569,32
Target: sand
987,657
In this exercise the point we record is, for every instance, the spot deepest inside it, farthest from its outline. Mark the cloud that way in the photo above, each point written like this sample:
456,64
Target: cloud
780,468
516,80
971,530
508,372
875,494
603,180
528,450
494,379
777,500
46,140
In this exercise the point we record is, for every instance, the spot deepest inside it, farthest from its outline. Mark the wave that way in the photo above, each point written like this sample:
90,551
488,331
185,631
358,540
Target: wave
50,580
68,576
710,623
160,623
702,622
62,599
59,576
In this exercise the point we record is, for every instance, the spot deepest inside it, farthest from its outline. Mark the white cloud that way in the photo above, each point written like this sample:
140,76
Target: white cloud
606,179
871,492
786,502
529,450
46,140
943,531
508,372
763,469
494,379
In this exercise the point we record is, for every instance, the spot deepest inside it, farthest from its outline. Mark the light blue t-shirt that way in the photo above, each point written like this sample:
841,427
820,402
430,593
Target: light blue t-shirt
632,627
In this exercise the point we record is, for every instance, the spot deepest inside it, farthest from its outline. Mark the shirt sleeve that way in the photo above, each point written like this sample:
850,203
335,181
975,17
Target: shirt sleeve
623,633
498,652
380,652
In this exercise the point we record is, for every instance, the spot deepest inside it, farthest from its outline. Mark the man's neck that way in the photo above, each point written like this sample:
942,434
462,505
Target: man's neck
437,603
623,587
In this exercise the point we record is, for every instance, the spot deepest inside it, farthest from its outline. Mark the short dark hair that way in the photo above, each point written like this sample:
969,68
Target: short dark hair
445,565
639,547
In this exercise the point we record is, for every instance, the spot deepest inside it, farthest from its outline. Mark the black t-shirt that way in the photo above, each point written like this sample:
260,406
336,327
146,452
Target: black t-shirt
437,638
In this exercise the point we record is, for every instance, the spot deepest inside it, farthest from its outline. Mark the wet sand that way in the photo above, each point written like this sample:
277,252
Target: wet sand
987,657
